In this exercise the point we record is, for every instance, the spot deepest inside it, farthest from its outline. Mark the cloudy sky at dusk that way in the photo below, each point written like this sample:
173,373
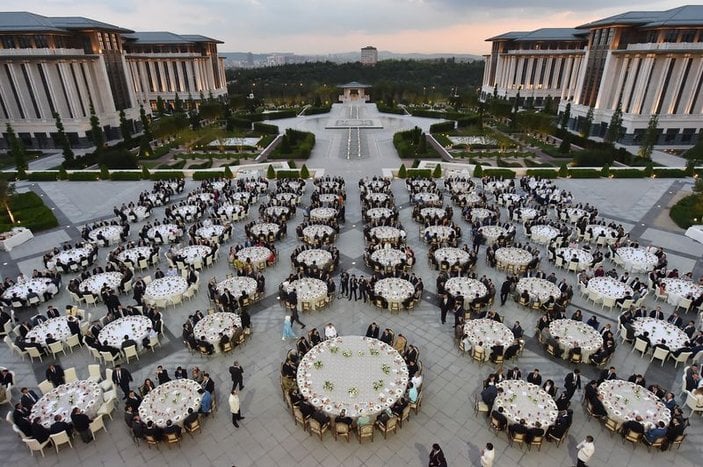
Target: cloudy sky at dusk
324,26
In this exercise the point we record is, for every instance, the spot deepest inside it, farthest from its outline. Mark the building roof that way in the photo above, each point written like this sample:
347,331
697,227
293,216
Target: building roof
544,34
23,21
164,37
687,15
353,85
368,47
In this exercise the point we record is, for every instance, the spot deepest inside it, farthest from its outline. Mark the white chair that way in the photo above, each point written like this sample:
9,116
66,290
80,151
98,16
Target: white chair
45,386
60,438
90,299
70,375
176,300
640,345
33,353
147,280
692,403
659,354
130,351
73,341
96,354
625,304
608,302
593,297
107,408
56,347
94,373
658,296
154,342
8,400
108,358
108,380
96,425
684,303
35,445
682,358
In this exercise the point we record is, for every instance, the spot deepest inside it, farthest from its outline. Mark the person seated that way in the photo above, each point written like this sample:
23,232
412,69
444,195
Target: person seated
171,428
496,351
500,417
412,393
635,426
658,431
206,346
550,388
38,431
321,418
518,428
383,417
574,351
153,431
489,394
224,340
597,407
342,418
133,401
399,406
534,432
60,425
128,342
563,402
190,418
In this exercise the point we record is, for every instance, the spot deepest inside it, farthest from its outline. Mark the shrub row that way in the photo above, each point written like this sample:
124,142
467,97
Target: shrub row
500,173
686,210
84,176
386,109
317,110
266,128
442,127
543,173
208,175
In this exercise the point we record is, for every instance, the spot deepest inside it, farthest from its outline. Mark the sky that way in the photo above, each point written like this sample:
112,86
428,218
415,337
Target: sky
329,26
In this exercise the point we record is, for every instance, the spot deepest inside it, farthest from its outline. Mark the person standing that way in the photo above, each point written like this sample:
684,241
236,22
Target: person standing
505,291
487,455
343,284
586,449
234,407
237,373
287,329
572,382
122,377
294,318
353,287
437,458
81,423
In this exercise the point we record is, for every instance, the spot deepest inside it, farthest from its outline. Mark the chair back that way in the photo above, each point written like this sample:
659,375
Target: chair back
70,374
97,424
640,344
130,351
60,438
94,372
633,436
45,386
660,354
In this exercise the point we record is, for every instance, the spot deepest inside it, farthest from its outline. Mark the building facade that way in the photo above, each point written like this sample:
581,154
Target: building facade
646,63
369,56
66,65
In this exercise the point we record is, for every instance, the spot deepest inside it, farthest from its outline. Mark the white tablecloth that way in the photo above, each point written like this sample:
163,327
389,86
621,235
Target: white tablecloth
468,198
140,211
238,284
288,198
541,289
452,255
212,325
16,236
311,231
441,232
427,198
132,254
210,232
197,198
321,258
385,233
360,375
608,287
264,228
431,213
38,286
257,255
496,185
96,282
583,257
376,197
328,198
323,214
610,234
526,214
169,232
170,401
542,234
523,400
574,214
136,327
110,232
389,257
85,395
680,288
490,333
573,333
57,327
243,197
465,287
394,289
309,291
511,256
277,211
478,214
188,211
492,232
659,330
637,259
232,212
74,254
508,199
459,187
624,401
166,288
192,252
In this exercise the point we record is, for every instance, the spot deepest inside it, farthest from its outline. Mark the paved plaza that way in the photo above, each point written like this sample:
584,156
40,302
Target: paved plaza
268,436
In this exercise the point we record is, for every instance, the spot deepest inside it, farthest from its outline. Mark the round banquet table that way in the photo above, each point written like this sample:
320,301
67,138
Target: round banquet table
523,400
191,253
170,401
429,213
419,184
96,282
583,257
212,325
542,234
511,256
323,214
136,327
197,198
659,330
490,332
610,233
452,255
389,257
287,198
277,211
608,287
57,327
321,258
256,255
680,288
624,401
360,375
637,259
526,214
427,198
38,285
265,228
478,214
189,211
132,255
309,291
238,284
212,232
112,234
74,254
376,185
508,199
243,197
232,212
465,287
169,232
394,289
541,289
61,400
376,197
468,198
379,213
387,234
496,185
217,186
441,232
317,230
574,214
165,288
328,198
459,187
293,185
140,211
492,232
573,333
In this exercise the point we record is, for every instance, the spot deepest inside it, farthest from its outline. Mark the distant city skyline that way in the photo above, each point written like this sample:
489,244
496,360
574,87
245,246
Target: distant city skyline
313,27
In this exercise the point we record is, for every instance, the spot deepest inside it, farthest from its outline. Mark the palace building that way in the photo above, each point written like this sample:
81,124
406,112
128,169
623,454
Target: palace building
645,62
65,65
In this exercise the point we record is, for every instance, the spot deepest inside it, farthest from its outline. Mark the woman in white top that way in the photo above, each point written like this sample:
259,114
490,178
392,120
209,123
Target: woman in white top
417,380
330,331
487,456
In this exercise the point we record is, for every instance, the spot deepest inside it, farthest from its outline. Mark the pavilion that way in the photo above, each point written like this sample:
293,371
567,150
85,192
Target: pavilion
353,92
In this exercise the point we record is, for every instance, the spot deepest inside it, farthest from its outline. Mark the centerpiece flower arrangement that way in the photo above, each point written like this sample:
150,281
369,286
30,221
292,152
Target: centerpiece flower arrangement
377,385
328,386
334,349
386,368
317,364
353,391
374,351
347,353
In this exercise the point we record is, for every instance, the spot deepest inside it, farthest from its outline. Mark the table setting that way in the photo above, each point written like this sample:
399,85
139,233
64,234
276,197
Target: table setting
211,232
322,214
602,230
57,327
165,288
264,228
637,259
385,233
188,212
327,198
624,401
38,285
379,213
677,289
496,185
231,212
170,401
389,257
360,375
465,287
608,287
197,198
543,234
256,255
277,211
508,199
523,400
136,327
14,237
467,198
478,214
238,284
376,197
169,232
212,325
189,254
287,198
309,291
525,214
131,255
440,232
427,198
61,400
490,332
432,213
454,256
583,257
575,214
96,282
540,289
75,255
511,256
394,289
492,232
317,230
660,330
111,233
574,333
319,257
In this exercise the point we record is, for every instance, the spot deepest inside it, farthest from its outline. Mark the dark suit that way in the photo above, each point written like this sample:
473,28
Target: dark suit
502,420
534,379
56,375
58,427
237,372
209,386
122,378
632,425
39,433
572,382
28,400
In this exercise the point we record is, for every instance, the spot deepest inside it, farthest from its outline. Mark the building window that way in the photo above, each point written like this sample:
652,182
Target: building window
687,135
8,42
670,135
41,42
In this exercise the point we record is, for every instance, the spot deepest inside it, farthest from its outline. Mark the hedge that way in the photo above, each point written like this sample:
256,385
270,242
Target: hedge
422,173
91,176
126,176
266,129
669,173
35,218
25,200
204,165
208,175
166,175
500,173
317,110
442,127
584,173
627,173
386,109
287,174
543,173
43,176
686,210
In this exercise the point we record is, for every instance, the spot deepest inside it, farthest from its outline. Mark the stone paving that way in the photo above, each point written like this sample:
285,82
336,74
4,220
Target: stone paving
268,436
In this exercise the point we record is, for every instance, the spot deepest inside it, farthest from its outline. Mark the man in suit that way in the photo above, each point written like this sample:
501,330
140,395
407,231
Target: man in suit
55,375
607,375
122,377
153,430
133,401
500,417
505,291
572,382
127,342
171,428
633,425
208,384
39,433
534,432
372,330
237,373
60,425
28,399
518,428
659,431
535,377
190,418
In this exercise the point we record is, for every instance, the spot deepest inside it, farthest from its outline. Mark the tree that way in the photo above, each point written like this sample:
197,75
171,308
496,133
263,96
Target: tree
563,170
190,102
146,124
318,101
402,172
270,172
304,172
587,123
478,171
437,172
651,135
177,103
96,131
145,173
422,147
7,191
565,146
614,132
228,171
548,106
285,144
160,106
104,172
125,128
194,118
145,151
16,149
565,116
62,140
605,171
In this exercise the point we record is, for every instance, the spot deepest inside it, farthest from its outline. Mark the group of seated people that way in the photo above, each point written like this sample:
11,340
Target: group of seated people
591,212
557,243
330,183
185,212
289,294
128,212
469,216
435,237
53,284
369,200
433,217
228,301
201,343
694,344
74,285
374,184
584,226
51,256
100,238
153,257
226,231
456,266
265,236
545,191
277,213
372,237
322,237
339,198
73,321
175,232
599,358
313,269
404,265
246,267
91,338
79,422
408,302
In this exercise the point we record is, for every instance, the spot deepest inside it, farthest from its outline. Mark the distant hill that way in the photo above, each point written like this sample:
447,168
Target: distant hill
254,60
